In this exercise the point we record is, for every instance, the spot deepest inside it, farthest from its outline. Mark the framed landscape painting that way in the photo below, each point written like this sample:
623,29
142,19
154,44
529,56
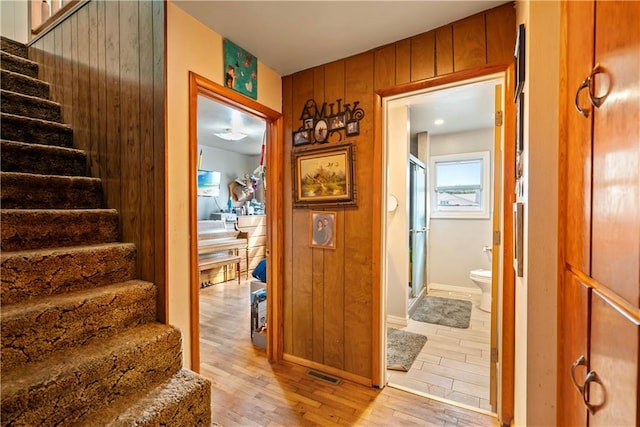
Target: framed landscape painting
324,177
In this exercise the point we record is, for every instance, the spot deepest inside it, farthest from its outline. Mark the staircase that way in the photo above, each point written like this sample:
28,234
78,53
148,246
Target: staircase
80,340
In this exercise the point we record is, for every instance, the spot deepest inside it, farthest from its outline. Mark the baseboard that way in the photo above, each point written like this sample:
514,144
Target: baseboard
454,288
396,321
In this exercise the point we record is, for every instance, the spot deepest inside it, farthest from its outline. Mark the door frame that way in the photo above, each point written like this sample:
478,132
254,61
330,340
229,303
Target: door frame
199,85
506,356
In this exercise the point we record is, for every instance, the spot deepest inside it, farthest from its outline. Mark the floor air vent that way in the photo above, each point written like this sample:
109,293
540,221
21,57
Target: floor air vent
323,377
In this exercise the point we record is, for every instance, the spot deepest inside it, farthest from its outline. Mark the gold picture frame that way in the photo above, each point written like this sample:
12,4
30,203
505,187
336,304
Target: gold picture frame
324,176
322,229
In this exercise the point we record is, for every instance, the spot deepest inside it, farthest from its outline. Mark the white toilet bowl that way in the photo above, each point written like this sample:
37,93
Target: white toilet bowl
482,278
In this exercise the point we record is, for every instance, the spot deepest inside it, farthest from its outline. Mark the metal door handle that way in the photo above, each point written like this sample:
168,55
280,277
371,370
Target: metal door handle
596,101
591,377
583,85
580,361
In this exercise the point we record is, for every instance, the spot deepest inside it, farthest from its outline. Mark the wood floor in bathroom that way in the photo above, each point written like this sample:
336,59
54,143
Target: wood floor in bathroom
454,363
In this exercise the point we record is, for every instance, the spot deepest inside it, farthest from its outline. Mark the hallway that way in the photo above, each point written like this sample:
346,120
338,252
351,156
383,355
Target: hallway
248,390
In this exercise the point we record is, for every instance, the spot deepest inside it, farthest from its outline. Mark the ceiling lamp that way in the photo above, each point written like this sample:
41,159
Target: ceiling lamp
231,136
438,122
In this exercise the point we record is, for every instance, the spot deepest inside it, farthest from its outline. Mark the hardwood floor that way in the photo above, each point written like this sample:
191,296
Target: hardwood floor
454,362
248,390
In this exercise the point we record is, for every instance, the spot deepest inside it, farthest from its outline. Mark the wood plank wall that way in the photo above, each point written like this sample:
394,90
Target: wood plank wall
105,64
327,295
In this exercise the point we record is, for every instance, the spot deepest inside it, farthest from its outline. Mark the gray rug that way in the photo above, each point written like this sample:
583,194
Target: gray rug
402,348
443,311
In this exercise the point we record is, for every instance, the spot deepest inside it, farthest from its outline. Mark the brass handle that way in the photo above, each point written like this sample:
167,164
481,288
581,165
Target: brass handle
596,101
580,361
591,377
583,85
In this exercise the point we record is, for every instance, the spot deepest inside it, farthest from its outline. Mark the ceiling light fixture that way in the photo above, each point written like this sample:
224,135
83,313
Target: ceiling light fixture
438,122
231,136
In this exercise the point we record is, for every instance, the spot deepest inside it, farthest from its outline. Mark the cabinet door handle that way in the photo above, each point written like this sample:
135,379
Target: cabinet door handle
596,101
583,85
591,377
580,361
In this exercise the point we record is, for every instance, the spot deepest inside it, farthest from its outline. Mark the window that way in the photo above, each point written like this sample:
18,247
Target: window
460,185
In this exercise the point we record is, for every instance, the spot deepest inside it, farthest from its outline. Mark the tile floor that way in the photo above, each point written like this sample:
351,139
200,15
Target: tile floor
454,363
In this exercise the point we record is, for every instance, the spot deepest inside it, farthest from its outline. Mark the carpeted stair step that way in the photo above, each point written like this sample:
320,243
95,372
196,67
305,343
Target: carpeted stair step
29,106
64,388
24,229
14,47
25,129
20,83
30,191
25,275
42,159
18,64
59,322
184,399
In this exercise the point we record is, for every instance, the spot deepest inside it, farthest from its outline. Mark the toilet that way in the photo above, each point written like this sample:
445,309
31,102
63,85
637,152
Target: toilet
482,278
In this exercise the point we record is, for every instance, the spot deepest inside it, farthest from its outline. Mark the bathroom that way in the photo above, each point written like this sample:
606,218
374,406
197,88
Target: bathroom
451,136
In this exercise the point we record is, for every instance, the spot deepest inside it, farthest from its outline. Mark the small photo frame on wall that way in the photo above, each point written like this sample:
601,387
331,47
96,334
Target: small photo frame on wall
322,229
352,128
320,131
301,137
336,122
519,62
518,223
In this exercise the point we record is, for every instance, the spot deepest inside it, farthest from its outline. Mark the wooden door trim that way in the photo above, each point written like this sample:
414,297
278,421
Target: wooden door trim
507,348
199,85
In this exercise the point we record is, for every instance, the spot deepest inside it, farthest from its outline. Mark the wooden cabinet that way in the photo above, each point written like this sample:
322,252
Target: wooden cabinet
599,296
256,228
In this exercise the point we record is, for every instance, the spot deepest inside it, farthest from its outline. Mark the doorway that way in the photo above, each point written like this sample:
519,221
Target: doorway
231,141
451,131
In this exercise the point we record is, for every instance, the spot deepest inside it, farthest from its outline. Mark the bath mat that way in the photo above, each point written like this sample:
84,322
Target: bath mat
402,348
443,311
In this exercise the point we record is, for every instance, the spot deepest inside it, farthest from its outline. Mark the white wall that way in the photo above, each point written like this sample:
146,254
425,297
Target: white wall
536,292
191,47
455,245
231,165
397,221
14,20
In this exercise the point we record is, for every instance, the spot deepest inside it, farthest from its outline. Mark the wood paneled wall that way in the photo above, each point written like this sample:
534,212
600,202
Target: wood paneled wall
105,64
328,295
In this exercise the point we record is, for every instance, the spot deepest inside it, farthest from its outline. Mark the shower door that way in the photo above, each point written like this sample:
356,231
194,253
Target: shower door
418,226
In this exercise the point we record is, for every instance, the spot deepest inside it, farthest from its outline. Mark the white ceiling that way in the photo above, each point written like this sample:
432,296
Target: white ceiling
290,36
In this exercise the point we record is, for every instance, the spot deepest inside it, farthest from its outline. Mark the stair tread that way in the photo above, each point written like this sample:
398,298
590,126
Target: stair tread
71,361
61,126
6,92
41,253
18,58
48,177
8,75
52,148
144,406
37,304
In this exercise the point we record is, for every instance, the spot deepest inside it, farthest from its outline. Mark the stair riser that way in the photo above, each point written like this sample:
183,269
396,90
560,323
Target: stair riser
39,159
71,321
21,191
24,230
66,398
14,47
28,275
21,84
36,108
22,129
19,65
